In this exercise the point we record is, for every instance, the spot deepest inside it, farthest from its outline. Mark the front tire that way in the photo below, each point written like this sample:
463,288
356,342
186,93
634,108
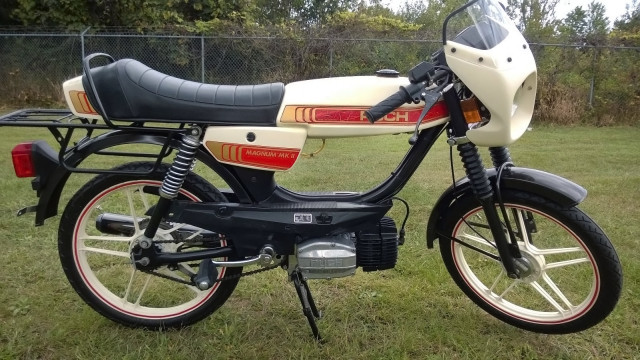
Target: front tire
99,266
574,279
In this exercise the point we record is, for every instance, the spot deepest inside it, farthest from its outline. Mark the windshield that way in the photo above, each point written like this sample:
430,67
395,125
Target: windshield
481,24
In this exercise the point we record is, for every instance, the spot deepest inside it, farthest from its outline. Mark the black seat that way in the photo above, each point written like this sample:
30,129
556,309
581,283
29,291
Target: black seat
132,91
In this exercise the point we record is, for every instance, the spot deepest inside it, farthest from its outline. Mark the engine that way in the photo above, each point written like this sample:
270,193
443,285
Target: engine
377,246
374,248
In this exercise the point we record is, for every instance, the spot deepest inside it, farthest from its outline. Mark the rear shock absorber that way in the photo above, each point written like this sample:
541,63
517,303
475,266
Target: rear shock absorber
182,164
172,182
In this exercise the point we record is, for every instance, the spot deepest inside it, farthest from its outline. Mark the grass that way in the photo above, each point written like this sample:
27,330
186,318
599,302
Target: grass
414,311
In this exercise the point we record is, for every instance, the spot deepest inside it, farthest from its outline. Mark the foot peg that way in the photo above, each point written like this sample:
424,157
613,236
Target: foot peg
206,276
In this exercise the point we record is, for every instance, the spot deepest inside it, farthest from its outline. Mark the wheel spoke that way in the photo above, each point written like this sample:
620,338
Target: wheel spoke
565,263
132,210
547,296
535,251
513,284
105,251
143,197
495,282
522,229
129,286
144,288
557,291
106,238
476,239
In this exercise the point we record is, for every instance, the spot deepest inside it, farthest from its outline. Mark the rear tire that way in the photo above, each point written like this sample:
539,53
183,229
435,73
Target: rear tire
99,268
575,279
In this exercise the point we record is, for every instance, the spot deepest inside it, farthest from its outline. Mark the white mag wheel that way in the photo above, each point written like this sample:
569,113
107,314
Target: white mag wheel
99,266
573,278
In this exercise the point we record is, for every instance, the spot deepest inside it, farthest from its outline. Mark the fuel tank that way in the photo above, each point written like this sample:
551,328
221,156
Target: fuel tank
334,107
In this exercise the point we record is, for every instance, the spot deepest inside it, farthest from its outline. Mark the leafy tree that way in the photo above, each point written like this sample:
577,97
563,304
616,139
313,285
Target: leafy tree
126,13
306,12
590,26
536,18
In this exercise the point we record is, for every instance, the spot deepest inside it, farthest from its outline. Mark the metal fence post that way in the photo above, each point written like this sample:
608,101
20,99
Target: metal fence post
82,40
593,77
331,58
202,56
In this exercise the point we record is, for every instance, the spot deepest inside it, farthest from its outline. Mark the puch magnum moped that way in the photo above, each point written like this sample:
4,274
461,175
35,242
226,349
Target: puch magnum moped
148,244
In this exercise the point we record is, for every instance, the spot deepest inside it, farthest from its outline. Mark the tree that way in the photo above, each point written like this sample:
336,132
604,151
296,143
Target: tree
535,18
305,12
127,13
589,26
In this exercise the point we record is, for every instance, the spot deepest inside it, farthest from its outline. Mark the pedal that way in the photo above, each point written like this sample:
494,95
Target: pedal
206,276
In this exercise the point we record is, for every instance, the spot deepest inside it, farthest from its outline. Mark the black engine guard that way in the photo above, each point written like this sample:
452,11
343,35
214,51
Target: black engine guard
544,184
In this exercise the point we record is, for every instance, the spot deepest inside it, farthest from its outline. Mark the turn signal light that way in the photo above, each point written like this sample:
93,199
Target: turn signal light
471,110
22,160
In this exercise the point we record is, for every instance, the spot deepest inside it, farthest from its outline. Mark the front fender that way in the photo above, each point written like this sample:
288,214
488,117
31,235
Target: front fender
52,176
543,184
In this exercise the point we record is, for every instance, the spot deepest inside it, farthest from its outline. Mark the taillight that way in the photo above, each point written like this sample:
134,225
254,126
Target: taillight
22,160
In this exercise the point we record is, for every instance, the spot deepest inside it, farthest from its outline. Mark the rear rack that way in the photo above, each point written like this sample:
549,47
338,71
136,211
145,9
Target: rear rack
62,124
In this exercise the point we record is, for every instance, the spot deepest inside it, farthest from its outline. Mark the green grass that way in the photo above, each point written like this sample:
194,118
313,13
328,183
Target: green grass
414,311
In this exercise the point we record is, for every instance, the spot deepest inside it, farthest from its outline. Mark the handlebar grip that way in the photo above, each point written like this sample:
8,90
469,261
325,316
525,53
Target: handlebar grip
387,105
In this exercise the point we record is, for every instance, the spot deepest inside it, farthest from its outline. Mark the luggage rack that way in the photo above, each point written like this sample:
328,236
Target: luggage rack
62,124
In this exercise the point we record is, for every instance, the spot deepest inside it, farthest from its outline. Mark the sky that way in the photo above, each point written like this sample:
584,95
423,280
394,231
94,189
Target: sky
615,8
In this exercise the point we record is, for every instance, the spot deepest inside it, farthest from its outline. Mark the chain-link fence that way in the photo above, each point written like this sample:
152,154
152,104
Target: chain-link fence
575,81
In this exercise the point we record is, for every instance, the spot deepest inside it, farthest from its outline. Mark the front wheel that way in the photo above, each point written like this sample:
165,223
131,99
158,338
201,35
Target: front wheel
99,267
573,278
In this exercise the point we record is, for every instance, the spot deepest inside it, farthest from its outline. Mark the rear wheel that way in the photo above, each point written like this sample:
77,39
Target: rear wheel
574,278
99,266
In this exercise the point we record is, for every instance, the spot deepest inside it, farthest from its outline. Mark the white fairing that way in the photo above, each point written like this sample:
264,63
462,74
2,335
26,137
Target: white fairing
504,78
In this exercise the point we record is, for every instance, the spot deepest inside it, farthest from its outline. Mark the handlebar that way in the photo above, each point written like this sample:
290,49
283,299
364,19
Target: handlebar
408,93
388,105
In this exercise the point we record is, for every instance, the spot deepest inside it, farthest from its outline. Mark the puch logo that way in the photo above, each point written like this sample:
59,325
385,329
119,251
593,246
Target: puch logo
302,218
395,116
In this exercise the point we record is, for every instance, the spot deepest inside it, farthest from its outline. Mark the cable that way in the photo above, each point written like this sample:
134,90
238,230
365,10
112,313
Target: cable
406,217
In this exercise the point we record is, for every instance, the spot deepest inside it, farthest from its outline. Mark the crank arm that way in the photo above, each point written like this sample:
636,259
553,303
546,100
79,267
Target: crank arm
265,258
151,258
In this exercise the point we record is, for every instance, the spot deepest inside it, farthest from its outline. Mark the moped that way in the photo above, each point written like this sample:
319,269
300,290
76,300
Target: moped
154,245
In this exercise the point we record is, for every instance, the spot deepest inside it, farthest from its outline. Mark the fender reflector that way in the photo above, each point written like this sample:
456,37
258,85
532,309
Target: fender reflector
22,160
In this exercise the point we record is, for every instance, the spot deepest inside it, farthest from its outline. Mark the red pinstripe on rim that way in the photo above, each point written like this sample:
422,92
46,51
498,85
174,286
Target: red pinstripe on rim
98,293
504,310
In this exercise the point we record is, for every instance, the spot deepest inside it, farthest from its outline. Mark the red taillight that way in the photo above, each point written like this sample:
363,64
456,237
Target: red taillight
22,160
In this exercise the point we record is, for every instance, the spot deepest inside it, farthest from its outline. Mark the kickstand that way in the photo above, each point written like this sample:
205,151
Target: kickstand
308,305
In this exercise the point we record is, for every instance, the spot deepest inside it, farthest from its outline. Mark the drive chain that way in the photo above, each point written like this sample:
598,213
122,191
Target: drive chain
226,278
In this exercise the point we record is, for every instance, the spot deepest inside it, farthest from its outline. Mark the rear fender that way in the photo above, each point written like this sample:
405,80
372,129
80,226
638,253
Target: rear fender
52,177
543,184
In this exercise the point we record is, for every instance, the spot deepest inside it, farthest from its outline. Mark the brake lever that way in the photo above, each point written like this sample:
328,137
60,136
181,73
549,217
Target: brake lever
430,97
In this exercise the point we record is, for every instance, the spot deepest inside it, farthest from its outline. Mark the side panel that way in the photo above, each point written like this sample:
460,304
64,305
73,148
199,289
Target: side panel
334,107
77,99
261,148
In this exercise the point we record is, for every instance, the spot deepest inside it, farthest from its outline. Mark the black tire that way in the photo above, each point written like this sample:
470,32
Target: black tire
102,274
576,277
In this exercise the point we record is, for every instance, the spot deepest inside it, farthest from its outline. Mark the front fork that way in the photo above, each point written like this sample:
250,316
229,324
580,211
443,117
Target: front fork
479,181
